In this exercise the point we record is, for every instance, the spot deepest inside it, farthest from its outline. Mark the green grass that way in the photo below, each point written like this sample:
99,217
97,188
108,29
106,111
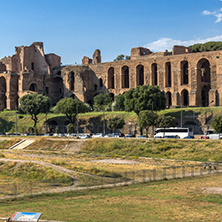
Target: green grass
197,150
8,118
175,200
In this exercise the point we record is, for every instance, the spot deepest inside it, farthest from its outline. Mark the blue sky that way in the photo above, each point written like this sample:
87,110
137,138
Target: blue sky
73,29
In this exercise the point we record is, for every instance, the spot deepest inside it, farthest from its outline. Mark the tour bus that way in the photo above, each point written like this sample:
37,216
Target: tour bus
173,132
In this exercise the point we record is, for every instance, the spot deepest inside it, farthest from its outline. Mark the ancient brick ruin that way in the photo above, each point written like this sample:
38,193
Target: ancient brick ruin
190,79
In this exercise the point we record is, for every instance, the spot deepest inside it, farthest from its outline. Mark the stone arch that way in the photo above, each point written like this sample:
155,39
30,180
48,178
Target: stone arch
140,75
154,74
3,90
168,74
52,125
100,82
33,87
125,77
184,72
71,80
203,70
111,81
205,95
111,96
168,99
185,98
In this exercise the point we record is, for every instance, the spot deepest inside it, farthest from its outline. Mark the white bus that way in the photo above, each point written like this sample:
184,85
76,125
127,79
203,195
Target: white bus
173,132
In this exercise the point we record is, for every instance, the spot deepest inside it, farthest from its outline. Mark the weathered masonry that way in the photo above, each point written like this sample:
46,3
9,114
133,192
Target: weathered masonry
188,79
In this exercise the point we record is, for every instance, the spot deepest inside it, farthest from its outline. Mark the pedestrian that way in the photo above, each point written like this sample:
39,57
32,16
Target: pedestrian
204,166
210,166
215,168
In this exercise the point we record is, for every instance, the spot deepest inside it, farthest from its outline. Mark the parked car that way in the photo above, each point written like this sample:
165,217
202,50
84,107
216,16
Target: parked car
98,135
84,136
119,135
109,135
129,135
141,136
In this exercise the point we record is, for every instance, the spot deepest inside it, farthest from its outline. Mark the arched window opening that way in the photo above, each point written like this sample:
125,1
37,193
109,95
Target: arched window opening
205,96
125,77
3,97
203,68
33,87
154,74
168,74
71,81
168,99
185,98
111,96
140,75
184,72
32,66
111,84
100,82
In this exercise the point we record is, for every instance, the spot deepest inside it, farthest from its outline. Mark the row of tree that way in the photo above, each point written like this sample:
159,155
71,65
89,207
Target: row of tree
143,100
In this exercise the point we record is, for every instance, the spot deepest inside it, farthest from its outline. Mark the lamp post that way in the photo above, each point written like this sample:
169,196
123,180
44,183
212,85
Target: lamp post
153,122
104,127
181,112
77,123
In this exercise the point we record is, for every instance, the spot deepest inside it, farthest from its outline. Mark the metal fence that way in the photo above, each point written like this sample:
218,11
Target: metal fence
13,188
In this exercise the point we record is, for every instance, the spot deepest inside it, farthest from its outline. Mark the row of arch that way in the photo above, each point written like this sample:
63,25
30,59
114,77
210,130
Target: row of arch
183,98
203,73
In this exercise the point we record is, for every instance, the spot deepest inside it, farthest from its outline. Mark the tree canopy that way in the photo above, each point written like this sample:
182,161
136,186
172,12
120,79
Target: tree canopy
208,46
144,97
102,101
70,107
165,121
120,102
217,124
122,57
115,123
34,104
146,119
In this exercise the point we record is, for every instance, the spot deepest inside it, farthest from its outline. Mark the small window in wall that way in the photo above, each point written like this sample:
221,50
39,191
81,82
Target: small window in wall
95,87
32,66
47,90
100,82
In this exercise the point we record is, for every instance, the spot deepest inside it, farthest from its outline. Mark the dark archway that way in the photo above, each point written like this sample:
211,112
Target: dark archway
33,87
205,95
168,99
140,75
111,81
71,81
168,74
111,96
154,74
100,83
203,69
184,72
185,98
125,77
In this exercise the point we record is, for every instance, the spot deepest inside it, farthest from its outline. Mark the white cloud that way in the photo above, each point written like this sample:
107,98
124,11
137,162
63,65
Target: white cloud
216,13
168,43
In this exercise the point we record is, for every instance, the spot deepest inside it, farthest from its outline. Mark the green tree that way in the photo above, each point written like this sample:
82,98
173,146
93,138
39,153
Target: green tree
102,101
217,124
70,128
144,97
165,122
120,99
122,57
208,46
71,107
146,119
34,104
115,123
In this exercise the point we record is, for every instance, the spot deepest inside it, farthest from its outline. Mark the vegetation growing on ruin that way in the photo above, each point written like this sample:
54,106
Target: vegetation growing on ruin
208,46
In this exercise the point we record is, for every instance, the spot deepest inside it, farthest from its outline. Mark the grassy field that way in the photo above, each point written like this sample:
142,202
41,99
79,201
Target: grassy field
168,200
175,200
